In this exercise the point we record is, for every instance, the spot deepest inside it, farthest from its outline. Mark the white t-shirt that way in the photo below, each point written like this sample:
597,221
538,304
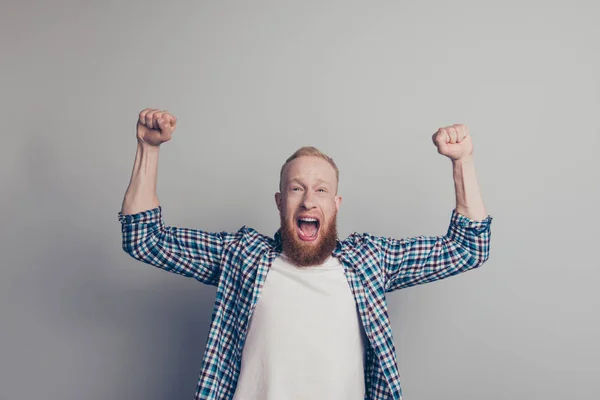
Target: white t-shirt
305,339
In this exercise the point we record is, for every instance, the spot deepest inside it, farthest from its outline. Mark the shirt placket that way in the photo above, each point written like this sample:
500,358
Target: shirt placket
261,276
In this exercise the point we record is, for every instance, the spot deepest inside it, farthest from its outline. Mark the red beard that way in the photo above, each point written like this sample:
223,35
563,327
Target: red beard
307,254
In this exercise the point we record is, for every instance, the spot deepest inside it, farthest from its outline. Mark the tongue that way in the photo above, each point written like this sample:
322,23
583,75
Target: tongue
308,228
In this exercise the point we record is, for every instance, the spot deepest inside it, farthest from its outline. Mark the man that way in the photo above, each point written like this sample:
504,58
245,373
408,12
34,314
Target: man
302,315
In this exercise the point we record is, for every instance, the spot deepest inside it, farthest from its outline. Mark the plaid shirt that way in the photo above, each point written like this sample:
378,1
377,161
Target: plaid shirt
238,263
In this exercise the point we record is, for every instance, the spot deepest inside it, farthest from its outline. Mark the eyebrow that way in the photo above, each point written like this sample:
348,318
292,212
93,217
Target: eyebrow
319,182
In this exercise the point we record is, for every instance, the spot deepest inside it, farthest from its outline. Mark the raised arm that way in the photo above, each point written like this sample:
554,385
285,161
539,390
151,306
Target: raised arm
455,143
188,252
154,127
466,245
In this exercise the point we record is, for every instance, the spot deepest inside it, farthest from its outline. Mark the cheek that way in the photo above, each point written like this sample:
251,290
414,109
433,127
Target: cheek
328,210
288,207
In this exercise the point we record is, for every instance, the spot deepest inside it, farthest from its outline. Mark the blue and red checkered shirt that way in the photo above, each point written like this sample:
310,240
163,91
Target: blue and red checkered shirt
238,263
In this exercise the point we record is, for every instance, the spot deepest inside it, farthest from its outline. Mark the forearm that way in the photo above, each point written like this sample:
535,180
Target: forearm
468,196
141,193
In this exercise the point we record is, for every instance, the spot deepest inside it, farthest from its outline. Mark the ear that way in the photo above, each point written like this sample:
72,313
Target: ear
278,201
338,202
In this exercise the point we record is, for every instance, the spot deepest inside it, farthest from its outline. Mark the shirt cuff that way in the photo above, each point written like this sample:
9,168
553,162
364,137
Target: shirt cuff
466,222
146,217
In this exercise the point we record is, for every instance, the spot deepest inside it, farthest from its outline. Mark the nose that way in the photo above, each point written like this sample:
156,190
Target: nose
307,201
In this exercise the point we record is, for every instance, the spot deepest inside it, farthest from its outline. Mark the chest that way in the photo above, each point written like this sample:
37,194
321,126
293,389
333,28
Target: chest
306,298
355,289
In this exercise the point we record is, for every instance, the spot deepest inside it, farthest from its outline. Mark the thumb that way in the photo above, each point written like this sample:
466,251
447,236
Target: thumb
164,125
442,138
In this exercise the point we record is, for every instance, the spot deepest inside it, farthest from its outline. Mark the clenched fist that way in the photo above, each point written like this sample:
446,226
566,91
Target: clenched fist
453,141
155,127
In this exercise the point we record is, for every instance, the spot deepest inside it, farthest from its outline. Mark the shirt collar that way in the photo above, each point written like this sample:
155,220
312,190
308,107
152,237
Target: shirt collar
277,238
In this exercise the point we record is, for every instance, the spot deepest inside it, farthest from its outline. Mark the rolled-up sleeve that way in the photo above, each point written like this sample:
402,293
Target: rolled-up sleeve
189,252
422,259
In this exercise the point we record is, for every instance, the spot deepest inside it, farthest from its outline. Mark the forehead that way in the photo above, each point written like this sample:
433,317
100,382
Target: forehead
309,168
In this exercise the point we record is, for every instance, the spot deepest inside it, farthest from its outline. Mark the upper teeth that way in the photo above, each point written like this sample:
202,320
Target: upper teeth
309,219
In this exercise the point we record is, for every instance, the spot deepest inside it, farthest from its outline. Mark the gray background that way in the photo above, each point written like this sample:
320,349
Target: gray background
366,82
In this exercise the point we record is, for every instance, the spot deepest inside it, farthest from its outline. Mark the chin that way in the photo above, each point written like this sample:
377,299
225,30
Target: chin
308,243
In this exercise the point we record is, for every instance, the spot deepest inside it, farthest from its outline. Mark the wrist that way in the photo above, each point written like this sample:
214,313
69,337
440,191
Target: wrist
463,160
147,148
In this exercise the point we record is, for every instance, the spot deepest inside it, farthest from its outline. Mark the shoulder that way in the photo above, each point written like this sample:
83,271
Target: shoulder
358,240
250,237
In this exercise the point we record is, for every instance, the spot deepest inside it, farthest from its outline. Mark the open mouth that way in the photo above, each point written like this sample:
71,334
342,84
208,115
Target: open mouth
308,228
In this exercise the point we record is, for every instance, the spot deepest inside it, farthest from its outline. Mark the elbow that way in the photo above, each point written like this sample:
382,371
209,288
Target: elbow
127,246
142,248
478,247
480,256
473,255
143,240
134,250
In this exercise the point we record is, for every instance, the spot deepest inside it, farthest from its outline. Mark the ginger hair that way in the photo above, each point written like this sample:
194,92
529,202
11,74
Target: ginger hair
309,151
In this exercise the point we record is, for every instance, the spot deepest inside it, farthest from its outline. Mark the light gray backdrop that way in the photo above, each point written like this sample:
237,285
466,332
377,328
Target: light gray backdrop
366,82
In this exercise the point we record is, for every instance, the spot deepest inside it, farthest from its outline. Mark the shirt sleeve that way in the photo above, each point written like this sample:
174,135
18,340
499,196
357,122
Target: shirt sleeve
188,252
422,259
